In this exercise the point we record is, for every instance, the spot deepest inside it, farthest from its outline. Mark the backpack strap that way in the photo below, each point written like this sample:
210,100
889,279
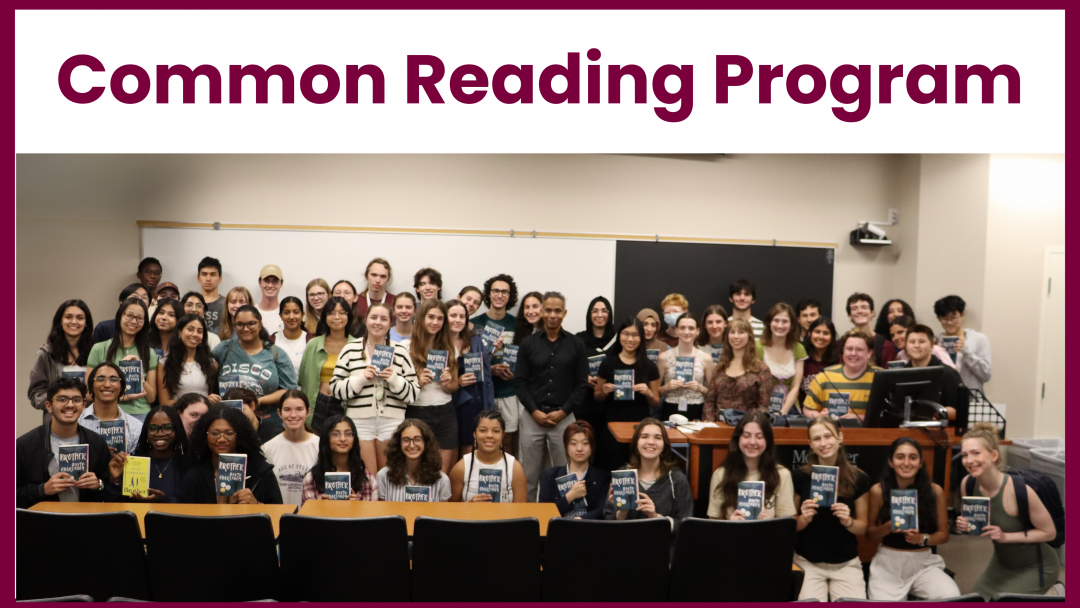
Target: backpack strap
879,346
1024,513
969,486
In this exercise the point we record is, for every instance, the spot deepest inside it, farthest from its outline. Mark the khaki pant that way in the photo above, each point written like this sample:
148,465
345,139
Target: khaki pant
825,581
895,574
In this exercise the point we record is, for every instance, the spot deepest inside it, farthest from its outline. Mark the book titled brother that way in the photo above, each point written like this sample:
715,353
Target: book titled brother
976,509
132,370
74,459
382,356
232,469
684,369
490,483
436,362
336,486
751,498
624,489
624,385
823,482
904,509
114,432
564,484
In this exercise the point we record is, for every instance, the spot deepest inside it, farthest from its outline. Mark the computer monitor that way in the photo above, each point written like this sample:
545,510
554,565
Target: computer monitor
885,408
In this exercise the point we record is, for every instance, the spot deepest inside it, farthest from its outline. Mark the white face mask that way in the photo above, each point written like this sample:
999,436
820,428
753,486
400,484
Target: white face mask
672,318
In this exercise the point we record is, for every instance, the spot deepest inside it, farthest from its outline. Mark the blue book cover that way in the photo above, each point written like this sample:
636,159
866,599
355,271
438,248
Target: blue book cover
823,482
232,470
337,486
624,384
74,371
751,497
74,460
904,506
776,398
114,432
949,344
382,356
132,371
594,364
474,364
510,355
653,354
564,483
897,364
233,403
684,369
624,489
490,483
839,404
489,335
717,350
418,494
436,362
976,509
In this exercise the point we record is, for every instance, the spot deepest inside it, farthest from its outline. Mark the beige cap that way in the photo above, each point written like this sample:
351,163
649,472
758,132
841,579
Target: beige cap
271,271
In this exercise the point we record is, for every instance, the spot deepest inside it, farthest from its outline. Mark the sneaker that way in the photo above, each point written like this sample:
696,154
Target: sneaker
1058,589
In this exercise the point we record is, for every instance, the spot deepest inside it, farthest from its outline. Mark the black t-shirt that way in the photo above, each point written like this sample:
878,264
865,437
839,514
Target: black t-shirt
825,540
627,411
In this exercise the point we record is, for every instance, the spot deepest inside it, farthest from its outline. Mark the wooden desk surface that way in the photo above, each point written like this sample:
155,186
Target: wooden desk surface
797,436
141,509
624,432
473,511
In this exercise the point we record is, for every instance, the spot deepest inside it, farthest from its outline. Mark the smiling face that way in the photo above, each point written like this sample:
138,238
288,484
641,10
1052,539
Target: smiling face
715,325
738,338
107,386
825,441
236,300
316,297
977,456
752,442
821,337
742,300
294,413
192,306
896,309
500,294
160,439
650,325
630,339
412,443
192,334
247,326
599,315
377,276
488,436
342,438
337,318
918,346
427,289
905,462
66,406
404,310
554,313
166,293
856,354
650,442
270,287
860,313
687,330
132,321
458,318
433,321
291,316
531,309
952,323
579,450
342,290
898,333
73,322
221,437
377,322
781,325
165,319
472,300
808,316
191,415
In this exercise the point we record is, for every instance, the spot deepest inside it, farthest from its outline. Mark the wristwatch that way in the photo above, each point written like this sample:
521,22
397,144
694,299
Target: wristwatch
100,485
925,540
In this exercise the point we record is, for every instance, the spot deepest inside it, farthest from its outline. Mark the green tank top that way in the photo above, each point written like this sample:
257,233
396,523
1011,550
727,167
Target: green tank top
1014,555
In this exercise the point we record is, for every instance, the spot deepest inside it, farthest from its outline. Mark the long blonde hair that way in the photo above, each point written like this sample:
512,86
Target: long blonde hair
750,361
422,340
225,325
311,318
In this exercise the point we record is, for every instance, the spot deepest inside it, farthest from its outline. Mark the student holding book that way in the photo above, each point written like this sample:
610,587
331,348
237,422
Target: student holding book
474,393
598,338
740,381
860,309
488,473
378,275
637,392
107,386
781,351
292,338
191,407
375,396
163,325
130,344
578,490
225,430
67,347
650,321
684,393
673,306
500,295
236,298
404,316
413,471
820,345
904,563
428,284
107,328
295,450
320,358
164,441
193,304
191,368
898,330
842,391
751,457
339,452
711,331
1016,566
807,311
970,348
663,490
827,547
434,403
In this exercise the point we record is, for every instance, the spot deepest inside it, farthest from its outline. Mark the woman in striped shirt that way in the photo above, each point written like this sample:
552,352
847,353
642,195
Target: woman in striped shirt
413,466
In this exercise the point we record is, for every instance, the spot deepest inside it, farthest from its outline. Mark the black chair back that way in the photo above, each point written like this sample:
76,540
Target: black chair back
970,597
203,559
48,563
481,561
1021,597
733,561
600,549
312,573
66,598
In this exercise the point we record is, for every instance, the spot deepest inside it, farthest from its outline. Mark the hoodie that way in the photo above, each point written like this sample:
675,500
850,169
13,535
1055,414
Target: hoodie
595,345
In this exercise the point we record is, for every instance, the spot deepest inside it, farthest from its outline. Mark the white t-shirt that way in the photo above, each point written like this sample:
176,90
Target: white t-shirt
291,462
271,321
293,348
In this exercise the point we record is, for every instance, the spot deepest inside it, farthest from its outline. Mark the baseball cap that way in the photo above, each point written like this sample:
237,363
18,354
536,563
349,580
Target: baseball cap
271,271
168,285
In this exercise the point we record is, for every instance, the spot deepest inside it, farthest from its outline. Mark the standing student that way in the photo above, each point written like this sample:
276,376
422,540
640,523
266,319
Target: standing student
780,349
598,339
37,471
898,330
163,325
820,345
550,381
295,450
193,304
164,441
1016,566
500,295
344,289
740,381
434,402
592,482
316,293
751,457
237,297
860,309
474,394
646,388
167,291
106,387
339,452
685,398
827,546
404,317
191,407
919,339
413,460
292,338
741,294
972,348
892,310
428,284
711,331
320,358
531,319
904,563
807,310
149,275
673,306
107,328
849,381
650,322
270,282
378,275
375,400
663,490
488,453
224,430
472,296
67,347
209,277
130,343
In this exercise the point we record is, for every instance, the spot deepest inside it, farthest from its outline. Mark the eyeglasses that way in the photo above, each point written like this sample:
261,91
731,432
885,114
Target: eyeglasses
216,434
412,441
128,317
500,292
340,435
317,296
248,325
159,428
629,334
109,379
62,400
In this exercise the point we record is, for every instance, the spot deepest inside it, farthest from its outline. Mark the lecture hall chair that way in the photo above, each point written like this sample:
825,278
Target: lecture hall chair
1020,597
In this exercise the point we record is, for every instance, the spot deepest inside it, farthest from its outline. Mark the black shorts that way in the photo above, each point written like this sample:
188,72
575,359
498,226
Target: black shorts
443,422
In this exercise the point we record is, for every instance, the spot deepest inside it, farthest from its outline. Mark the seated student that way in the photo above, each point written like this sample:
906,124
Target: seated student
849,381
344,289
971,347
646,389
291,337
889,312
249,406
163,325
663,490
650,322
37,460
673,306
827,547
67,347
149,275
191,407
339,452
953,392
164,441
270,281
130,343
488,453
740,381
234,300
898,329
224,430
860,309
193,304
820,345
711,332
316,294
404,317
473,394
106,387
751,457
428,284
295,450
904,563
320,358
783,354
434,403
741,294
592,482
686,399
107,329
191,369
1016,566
807,311
413,460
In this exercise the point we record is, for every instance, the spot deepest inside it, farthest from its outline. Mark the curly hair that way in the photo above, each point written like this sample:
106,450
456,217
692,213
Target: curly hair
429,470
247,441
505,278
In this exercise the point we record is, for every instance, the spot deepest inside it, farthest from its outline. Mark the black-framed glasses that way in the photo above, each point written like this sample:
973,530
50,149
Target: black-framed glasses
248,325
412,441
500,292
160,428
63,400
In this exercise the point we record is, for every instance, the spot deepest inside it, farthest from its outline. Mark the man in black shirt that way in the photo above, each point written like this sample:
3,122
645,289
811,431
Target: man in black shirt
550,380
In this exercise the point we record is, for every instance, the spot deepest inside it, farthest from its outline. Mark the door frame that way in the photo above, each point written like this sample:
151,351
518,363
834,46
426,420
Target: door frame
1045,298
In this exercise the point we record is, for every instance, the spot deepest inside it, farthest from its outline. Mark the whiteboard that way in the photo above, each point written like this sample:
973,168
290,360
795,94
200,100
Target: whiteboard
579,268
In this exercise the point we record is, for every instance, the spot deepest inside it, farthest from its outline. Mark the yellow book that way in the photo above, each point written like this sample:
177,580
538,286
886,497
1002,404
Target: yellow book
137,476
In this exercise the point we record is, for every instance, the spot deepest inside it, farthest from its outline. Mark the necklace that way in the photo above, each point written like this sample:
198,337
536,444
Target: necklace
161,472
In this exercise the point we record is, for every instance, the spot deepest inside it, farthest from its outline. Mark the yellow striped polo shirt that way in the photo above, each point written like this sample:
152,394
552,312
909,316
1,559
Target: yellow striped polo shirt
832,381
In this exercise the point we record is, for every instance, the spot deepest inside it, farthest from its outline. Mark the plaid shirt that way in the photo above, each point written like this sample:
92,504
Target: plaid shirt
370,491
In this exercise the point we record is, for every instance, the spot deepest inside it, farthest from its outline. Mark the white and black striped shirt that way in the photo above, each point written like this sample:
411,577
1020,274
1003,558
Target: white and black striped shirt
357,393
